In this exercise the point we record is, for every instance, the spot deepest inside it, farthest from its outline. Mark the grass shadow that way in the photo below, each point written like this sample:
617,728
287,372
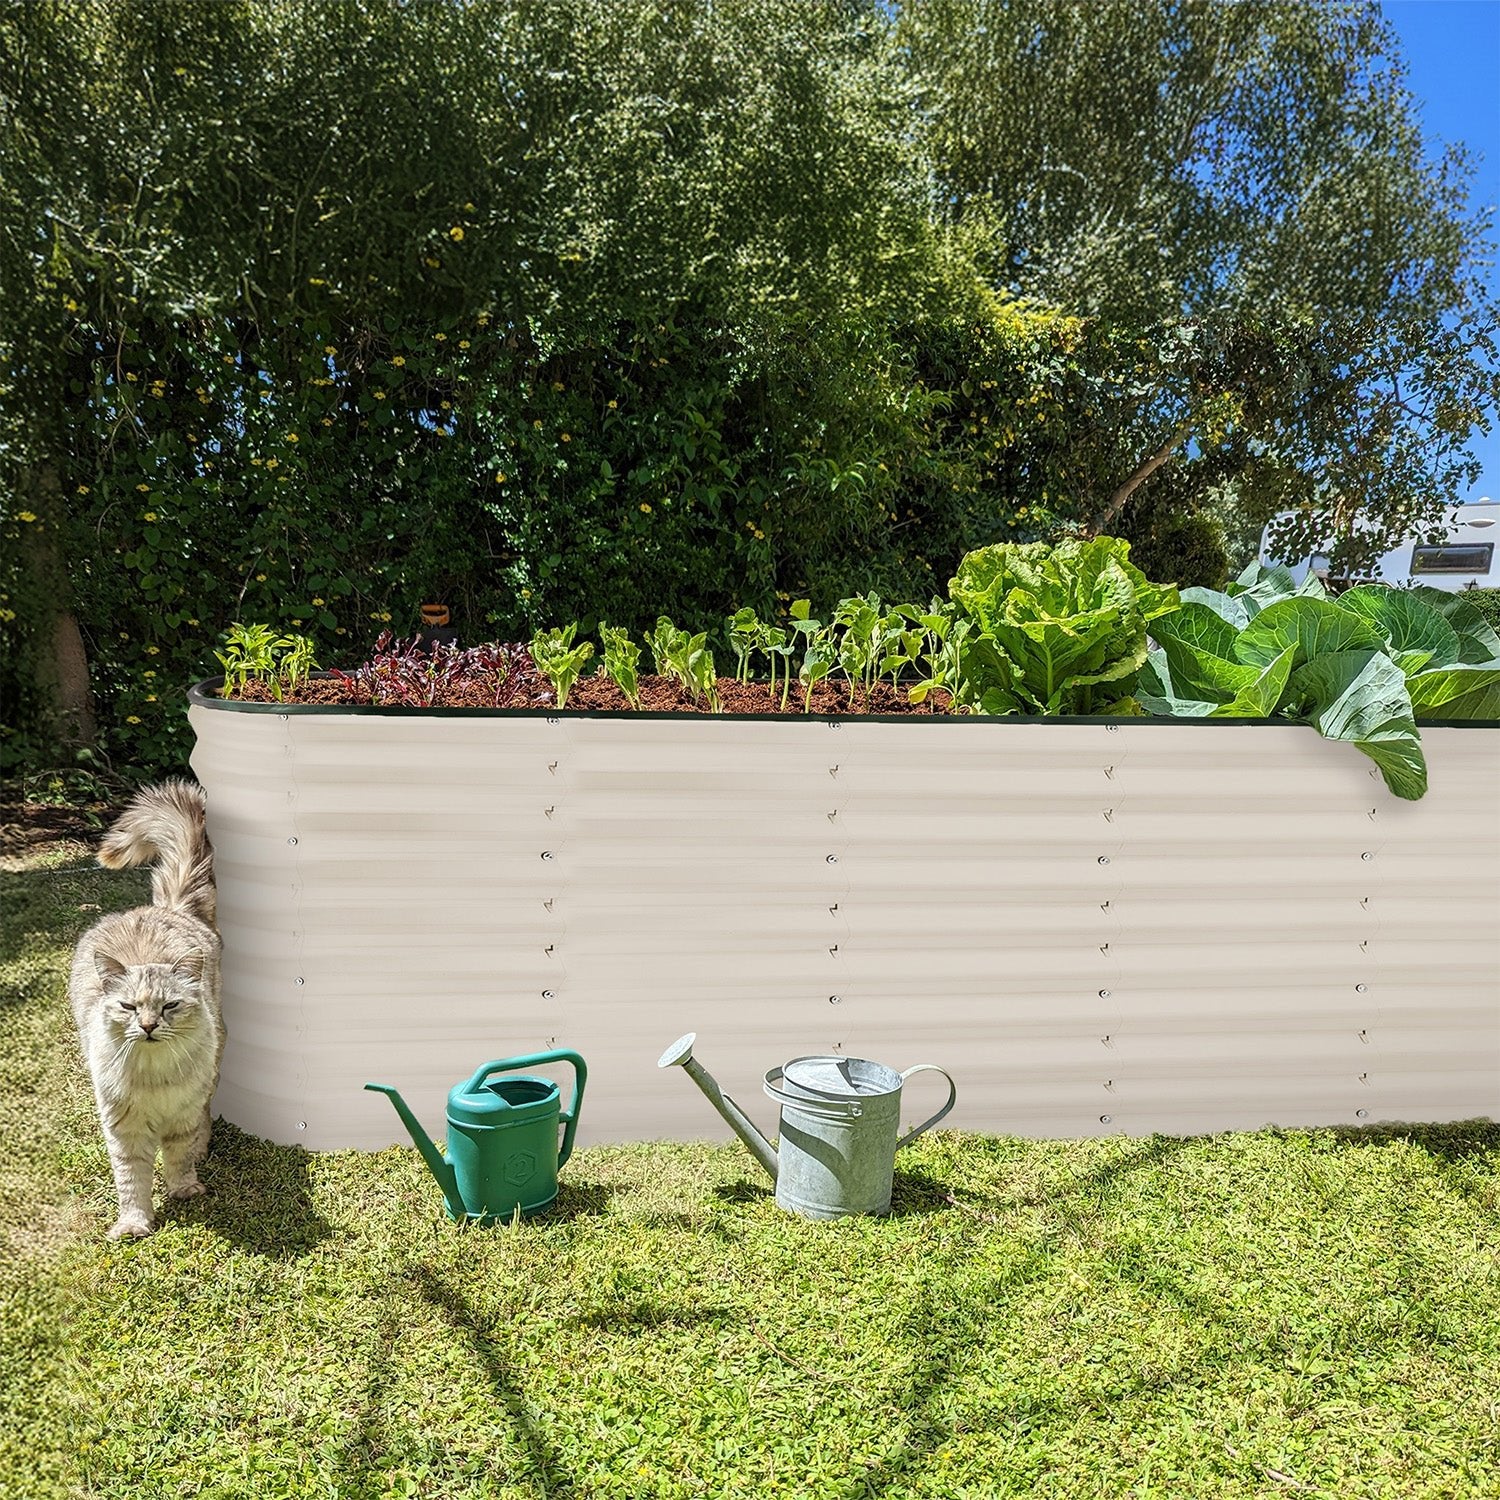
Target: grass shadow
744,1191
646,1317
259,1196
575,1200
917,1193
1461,1141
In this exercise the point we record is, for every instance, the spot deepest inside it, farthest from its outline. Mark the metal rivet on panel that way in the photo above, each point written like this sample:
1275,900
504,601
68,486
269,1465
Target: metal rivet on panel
548,902
833,815
835,999
1364,1077
1110,772
552,766
299,980
283,717
1105,1119
1104,859
1367,856
549,948
1104,947
1373,811
1364,901
833,859
1104,906
553,719
548,811
1104,994
834,907
291,841
1359,989
833,724
548,995
1109,1083
833,770
838,1046
834,949
1106,1041
1112,728
301,1124
1109,815
1361,1114
1364,1036
546,854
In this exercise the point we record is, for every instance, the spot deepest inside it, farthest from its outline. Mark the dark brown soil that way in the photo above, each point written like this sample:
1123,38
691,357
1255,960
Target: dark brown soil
658,695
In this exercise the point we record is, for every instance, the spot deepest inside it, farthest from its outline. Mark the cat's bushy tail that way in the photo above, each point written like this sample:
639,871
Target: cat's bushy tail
165,823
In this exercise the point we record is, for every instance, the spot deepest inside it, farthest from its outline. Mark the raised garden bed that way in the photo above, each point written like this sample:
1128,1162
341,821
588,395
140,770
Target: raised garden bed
1134,925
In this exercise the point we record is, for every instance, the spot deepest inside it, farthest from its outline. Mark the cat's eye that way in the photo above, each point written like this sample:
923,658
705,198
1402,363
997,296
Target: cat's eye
171,1005
128,1004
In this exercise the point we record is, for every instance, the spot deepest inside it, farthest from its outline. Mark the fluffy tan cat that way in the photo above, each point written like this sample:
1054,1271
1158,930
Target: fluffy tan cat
145,995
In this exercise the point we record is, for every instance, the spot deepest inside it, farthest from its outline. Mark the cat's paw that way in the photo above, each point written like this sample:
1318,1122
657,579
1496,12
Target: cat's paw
193,1189
130,1226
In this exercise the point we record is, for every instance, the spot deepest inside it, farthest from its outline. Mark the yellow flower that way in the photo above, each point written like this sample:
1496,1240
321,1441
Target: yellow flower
557,385
316,281
463,343
83,489
145,489
537,422
455,234
440,338
427,260
499,478
273,463
483,319
386,615
70,304
468,208
760,536
260,577
291,437
380,395
328,421
148,674
445,405
526,593
398,360
645,509
329,349
149,516
27,516
124,636
612,404
150,697
567,437
153,651
131,376
317,602
131,719
192,622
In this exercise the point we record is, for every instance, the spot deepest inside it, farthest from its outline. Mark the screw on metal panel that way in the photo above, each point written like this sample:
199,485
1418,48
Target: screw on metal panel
1105,1119
1104,994
833,859
835,999
552,766
1364,1036
548,811
1109,1083
283,717
548,995
1364,901
1104,906
301,1124
834,907
834,949
299,980
546,854
553,719
1364,945
1110,772
549,948
833,815
1364,1077
1373,811
1112,728
1360,989
291,841
838,1046
1367,856
1107,1042
1361,1114
548,902
1104,947
833,770
834,724
1104,859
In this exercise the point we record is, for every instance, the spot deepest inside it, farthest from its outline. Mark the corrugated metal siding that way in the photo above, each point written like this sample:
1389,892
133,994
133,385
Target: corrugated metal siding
1131,927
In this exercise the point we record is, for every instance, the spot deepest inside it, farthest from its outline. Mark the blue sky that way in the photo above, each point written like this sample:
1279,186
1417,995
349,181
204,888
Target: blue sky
1452,50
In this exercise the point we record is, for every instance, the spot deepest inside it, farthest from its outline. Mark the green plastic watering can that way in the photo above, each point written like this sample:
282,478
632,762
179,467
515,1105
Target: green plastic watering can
503,1150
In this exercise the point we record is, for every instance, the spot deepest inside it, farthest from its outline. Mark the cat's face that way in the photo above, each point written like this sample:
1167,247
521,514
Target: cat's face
151,1003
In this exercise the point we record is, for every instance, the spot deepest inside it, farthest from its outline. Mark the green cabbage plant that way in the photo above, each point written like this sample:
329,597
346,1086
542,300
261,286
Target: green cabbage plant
1363,667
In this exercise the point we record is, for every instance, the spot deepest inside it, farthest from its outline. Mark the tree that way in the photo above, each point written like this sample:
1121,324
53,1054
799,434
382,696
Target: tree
1178,169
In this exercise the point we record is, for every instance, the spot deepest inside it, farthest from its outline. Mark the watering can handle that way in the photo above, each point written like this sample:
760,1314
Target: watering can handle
569,1116
911,1135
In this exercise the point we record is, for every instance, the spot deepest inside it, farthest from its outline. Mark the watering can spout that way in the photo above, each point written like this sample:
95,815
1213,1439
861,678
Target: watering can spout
437,1163
680,1055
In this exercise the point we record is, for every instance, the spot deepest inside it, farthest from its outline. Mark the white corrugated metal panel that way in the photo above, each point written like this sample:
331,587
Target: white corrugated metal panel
1131,927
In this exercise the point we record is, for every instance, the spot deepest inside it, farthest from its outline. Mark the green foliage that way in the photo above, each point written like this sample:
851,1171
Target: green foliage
1051,624
559,660
686,659
255,653
621,659
1364,667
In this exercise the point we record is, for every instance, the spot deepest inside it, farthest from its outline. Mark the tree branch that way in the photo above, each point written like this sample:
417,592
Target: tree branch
1142,472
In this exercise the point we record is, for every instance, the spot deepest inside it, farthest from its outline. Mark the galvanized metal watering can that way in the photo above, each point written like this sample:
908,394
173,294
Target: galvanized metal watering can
503,1151
839,1119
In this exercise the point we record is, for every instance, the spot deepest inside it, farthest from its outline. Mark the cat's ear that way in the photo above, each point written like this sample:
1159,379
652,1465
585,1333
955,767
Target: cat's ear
110,969
190,966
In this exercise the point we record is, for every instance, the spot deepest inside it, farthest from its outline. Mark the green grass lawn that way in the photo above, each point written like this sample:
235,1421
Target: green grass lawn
1249,1315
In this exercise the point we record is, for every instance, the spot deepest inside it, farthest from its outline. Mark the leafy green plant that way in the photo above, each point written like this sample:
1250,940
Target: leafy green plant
621,658
819,652
256,653
559,660
744,630
1362,668
1057,630
687,659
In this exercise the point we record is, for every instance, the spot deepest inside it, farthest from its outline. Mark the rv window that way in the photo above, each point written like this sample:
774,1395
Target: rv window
1466,557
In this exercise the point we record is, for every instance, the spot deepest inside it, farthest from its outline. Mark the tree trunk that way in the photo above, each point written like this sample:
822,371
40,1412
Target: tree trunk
58,662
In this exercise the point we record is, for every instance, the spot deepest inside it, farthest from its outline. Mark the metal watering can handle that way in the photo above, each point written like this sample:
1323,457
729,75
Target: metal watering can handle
911,1135
569,1116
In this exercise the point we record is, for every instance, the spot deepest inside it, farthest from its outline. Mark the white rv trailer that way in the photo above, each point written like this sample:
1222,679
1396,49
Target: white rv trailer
1462,559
